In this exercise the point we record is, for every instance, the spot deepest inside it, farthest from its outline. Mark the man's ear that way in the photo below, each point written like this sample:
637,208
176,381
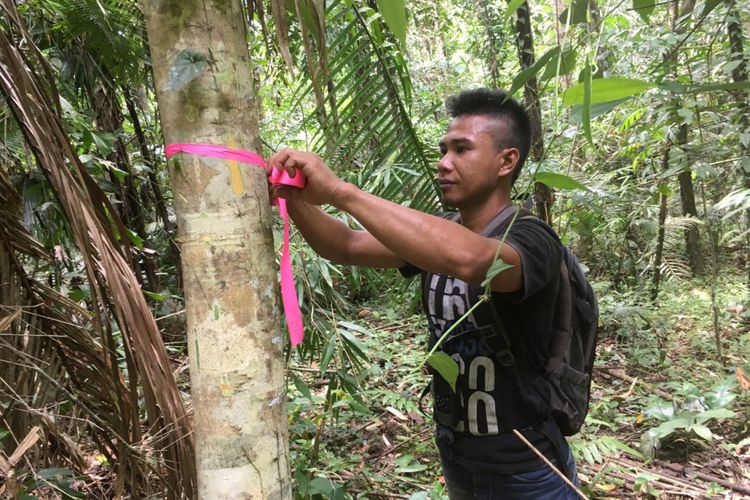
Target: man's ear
507,159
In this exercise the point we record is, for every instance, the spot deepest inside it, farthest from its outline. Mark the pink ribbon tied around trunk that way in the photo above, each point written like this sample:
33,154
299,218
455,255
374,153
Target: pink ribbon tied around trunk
277,177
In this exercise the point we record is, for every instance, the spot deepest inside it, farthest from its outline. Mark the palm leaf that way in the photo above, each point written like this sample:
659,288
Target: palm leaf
364,123
28,86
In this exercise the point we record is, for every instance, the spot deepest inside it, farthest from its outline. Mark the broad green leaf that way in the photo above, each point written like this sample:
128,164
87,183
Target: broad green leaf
445,366
702,431
682,421
598,109
496,268
187,66
663,410
394,14
525,75
586,109
722,393
578,11
564,62
644,8
559,181
513,6
105,142
605,90
715,413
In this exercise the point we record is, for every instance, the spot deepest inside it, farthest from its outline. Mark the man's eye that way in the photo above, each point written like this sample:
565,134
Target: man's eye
460,149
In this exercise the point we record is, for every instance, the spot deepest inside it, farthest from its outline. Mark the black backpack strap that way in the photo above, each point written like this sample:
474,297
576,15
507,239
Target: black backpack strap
496,338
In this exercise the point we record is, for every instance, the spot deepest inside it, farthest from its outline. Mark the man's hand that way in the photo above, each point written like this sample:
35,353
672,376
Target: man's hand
322,185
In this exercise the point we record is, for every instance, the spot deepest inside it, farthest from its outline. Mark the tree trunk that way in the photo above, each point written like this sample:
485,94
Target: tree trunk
739,74
685,178
525,45
656,281
687,200
230,277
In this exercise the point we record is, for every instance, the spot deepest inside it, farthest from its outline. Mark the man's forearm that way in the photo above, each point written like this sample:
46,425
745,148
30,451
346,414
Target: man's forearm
335,241
429,242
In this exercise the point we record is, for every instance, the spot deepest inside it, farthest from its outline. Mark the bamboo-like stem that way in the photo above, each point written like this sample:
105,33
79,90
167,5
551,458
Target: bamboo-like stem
550,464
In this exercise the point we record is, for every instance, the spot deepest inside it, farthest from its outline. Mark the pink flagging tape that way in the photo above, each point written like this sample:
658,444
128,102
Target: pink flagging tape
288,290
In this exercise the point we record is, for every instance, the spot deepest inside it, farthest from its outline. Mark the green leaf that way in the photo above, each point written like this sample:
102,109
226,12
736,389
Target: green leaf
445,366
722,393
525,75
578,9
513,6
559,181
663,410
105,142
598,109
186,68
711,87
605,90
709,6
328,350
565,60
496,268
702,431
644,8
159,297
302,387
394,14
586,109
715,413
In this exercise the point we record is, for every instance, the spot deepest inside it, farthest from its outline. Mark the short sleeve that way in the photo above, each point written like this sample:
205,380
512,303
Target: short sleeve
540,254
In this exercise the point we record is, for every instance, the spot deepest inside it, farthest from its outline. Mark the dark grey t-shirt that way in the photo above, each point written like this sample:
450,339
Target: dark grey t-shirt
493,399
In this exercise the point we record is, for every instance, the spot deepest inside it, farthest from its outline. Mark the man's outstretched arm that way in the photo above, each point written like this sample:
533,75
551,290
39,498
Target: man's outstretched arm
424,240
335,241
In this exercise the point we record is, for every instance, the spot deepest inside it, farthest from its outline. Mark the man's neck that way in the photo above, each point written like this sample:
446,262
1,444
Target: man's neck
477,218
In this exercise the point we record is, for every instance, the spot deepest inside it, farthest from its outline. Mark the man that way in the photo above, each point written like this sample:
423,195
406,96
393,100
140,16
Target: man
483,152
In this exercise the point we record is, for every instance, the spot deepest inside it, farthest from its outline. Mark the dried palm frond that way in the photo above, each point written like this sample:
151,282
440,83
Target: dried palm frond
27,83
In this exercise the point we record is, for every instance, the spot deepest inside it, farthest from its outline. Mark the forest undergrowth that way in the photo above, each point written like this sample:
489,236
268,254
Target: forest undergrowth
669,418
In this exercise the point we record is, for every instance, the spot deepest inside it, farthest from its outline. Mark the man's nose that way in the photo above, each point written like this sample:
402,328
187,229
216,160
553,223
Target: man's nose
444,164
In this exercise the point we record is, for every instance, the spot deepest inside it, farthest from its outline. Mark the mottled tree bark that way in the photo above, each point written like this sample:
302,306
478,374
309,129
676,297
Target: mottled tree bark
739,74
230,278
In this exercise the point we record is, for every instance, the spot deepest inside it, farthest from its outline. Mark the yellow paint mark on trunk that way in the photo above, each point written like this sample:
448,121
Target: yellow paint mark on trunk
235,176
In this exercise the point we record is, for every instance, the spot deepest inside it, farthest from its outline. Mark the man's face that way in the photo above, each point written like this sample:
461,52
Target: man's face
470,168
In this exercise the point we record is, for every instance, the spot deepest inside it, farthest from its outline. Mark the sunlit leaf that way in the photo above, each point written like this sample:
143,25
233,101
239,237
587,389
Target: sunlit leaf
445,366
586,109
496,268
702,431
577,12
605,89
559,181
513,6
394,14
644,8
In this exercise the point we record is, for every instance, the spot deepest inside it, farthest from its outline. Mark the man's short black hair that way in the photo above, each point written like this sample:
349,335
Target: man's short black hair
497,104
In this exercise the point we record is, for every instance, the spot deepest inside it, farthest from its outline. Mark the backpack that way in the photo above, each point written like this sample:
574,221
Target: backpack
573,345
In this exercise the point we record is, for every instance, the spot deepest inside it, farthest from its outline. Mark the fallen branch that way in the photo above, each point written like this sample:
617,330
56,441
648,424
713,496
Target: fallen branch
631,380
688,472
